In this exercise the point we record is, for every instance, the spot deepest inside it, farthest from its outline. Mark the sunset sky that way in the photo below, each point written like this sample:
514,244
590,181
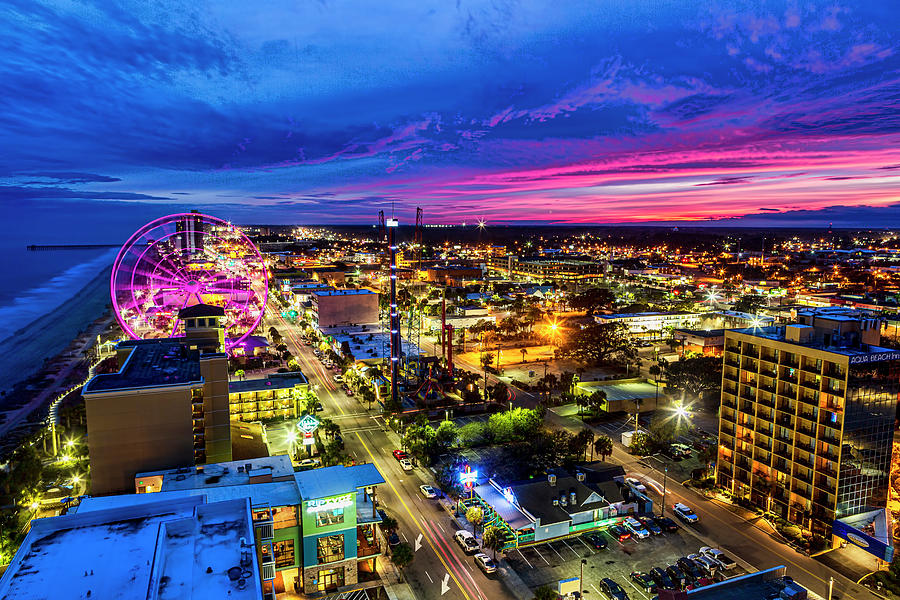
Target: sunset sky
318,111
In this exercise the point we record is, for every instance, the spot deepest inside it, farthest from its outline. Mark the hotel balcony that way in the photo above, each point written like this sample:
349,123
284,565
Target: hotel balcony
367,543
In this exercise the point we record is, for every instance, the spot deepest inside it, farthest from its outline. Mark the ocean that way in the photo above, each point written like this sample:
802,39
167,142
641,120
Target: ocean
47,299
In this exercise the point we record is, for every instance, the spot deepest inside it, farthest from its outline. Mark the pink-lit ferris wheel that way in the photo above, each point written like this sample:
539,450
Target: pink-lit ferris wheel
182,260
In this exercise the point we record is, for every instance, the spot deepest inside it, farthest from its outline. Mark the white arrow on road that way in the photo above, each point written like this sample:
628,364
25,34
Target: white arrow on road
418,542
445,586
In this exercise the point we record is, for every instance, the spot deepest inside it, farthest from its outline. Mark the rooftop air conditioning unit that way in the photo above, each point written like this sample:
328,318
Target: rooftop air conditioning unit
579,475
551,478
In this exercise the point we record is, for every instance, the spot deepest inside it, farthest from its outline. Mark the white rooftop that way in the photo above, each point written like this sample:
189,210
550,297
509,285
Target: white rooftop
222,474
153,551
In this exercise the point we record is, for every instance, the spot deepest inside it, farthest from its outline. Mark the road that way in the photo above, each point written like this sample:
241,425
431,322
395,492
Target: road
439,563
367,439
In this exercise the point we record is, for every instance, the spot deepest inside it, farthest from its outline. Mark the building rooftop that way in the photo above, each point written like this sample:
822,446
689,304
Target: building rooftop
760,585
616,392
331,481
183,548
646,314
151,363
278,493
274,381
201,310
777,334
703,333
537,498
342,292
223,474
515,517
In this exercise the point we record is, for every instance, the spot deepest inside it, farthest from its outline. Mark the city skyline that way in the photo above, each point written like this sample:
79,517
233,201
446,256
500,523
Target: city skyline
762,114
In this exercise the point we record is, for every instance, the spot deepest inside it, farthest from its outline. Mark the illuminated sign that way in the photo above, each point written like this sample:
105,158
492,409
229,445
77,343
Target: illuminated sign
314,506
860,359
468,477
509,495
308,424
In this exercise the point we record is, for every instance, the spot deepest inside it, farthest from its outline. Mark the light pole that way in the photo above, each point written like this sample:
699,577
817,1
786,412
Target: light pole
662,508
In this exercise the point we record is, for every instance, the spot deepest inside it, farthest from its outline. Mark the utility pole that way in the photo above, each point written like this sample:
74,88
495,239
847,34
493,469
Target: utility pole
830,587
581,580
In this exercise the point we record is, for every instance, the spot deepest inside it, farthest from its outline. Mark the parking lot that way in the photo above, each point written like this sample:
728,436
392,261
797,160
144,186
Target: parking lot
546,564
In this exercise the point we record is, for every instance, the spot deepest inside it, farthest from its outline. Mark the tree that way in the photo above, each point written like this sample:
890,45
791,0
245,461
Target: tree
524,352
545,592
486,359
582,441
239,374
694,376
603,446
493,538
707,456
749,303
475,516
446,435
499,392
402,555
598,343
592,300
640,443
596,402
388,523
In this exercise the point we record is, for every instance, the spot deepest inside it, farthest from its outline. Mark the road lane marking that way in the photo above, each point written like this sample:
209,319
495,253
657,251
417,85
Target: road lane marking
429,577
583,543
542,556
455,561
416,521
442,527
557,553
637,589
406,539
570,548
598,591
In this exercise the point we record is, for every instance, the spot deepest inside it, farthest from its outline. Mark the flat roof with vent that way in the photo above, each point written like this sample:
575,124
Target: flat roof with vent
151,363
222,474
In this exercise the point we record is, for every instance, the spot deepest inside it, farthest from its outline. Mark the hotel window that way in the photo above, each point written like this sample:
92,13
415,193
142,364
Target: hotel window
329,517
284,554
330,548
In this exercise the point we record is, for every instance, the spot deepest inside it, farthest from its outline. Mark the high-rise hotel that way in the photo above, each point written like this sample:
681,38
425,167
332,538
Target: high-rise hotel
807,417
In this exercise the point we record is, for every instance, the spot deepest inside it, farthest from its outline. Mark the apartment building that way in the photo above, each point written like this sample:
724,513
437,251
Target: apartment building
560,268
277,396
807,417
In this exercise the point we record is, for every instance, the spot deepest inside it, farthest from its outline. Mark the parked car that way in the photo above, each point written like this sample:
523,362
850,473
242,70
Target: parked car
636,529
485,563
400,454
684,512
405,464
643,581
308,463
636,484
720,557
595,540
338,378
319,407
690,568
428,491
393,539
612,590
349,393
666,524
661,579
650,525
466,540
679,578
707,566
619,533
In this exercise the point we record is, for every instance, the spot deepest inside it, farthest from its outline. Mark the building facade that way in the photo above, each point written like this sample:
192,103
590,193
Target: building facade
807,418
167,406
333,308
652,325
560,268
277,396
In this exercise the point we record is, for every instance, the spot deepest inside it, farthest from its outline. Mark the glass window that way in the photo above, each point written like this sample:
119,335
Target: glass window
330,548
284,554
329,517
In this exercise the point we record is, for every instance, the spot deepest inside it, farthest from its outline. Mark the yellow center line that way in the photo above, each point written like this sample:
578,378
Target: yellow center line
418,525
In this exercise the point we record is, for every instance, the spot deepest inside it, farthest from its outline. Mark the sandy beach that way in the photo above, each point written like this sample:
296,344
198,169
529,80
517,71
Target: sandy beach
25,351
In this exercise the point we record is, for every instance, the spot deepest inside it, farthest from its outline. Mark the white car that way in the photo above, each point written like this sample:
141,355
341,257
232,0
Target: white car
466,540
636,485
636,528
485,563
406,464
720,557
706,564
428,491
338,378
684,512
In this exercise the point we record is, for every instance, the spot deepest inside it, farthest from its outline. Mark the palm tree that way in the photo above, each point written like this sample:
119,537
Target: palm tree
239,374
493,538
604,446
524,353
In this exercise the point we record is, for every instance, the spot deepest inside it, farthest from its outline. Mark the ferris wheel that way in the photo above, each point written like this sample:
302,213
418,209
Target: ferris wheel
182,260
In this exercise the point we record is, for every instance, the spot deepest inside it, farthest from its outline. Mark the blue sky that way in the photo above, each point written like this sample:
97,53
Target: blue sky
322,112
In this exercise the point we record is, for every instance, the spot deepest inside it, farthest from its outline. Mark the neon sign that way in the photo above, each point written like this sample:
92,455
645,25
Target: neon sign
308,424
314,506
468,477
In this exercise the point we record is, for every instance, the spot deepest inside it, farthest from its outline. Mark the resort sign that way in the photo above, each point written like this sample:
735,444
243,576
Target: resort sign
468,477
314,506
308,424
862,359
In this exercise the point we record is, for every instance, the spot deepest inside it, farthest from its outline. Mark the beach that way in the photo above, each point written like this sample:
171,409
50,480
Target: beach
25,351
